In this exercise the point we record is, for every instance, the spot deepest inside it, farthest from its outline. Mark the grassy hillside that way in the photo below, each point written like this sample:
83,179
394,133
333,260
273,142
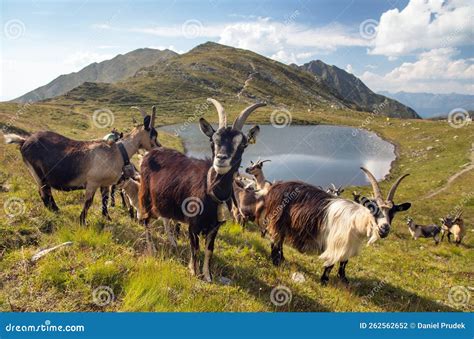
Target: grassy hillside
395,274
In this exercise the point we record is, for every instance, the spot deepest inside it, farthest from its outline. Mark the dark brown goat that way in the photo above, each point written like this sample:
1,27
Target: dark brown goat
195,191
58,162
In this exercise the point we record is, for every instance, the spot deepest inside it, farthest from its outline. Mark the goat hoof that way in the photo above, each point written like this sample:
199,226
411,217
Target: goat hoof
344,280
324,281
207,278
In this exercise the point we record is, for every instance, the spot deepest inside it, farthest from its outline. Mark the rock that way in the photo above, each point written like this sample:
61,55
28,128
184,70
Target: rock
108,263
225,281
455,137
429,148
298,277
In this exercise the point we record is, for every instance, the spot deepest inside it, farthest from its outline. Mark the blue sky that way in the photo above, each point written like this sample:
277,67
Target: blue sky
416,46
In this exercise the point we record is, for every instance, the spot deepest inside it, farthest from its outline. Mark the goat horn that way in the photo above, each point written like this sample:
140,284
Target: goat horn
374,183
268,160
142,111
333,187
391,193
220,112
152,119
458,214
240,120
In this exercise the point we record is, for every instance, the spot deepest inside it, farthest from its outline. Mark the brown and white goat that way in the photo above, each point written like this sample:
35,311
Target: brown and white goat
195,191
453,226
58,162
424,231
312,220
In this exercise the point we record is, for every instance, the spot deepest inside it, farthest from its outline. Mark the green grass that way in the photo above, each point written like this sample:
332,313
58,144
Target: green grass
395,274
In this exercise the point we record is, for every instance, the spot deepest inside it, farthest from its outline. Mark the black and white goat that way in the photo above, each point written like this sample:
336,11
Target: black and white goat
196,191
58,162
423,231
312,220
336,191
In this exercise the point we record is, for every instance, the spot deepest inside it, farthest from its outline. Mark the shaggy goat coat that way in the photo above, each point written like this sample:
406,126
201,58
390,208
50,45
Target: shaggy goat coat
312,220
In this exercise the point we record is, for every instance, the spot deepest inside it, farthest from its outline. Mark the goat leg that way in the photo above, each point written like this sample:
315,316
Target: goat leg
342,272
90,192
169,232
277,252
47,197
104,191
194,261
209,250
325,276
150,247
112,195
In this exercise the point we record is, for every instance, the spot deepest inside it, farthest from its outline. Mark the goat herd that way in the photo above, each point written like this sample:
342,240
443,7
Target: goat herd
175,187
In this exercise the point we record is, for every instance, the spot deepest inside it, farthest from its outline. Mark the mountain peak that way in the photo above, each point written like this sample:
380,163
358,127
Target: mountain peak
355,92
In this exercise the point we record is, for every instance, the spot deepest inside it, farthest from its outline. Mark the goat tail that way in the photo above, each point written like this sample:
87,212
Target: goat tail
14,139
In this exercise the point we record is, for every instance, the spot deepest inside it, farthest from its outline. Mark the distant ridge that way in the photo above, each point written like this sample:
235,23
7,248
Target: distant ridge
430,105
108,71
355,93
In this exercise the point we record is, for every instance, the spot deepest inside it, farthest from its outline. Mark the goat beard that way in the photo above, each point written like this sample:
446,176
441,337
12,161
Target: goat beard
374,236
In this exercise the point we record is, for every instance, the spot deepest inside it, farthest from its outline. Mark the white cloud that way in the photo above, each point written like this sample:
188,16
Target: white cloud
435,71
349,68
81,59
287,42
424,24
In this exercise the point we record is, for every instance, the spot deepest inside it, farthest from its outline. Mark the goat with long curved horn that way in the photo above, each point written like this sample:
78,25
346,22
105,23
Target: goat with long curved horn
142,111
393,189
240,120
220,111
375,185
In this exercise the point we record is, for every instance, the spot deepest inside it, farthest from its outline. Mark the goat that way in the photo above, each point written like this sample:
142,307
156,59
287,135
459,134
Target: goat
130,187
356,196
336,191
196,191
256,169
247,202
453,226
425,231
314,220
58,162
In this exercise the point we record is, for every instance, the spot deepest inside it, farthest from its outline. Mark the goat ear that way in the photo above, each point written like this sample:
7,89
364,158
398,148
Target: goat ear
403,207
206,127
252,134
